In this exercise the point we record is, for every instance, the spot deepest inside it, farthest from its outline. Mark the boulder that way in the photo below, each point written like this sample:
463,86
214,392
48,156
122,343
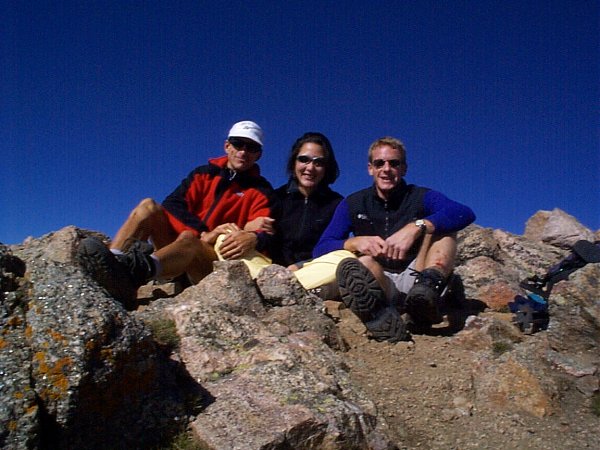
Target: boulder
556,228
94,375
275,381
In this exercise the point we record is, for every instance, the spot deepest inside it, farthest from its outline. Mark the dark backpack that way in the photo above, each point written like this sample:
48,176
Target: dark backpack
532,311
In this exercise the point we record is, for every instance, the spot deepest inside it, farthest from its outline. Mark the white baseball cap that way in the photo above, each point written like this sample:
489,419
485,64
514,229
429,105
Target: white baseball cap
247,129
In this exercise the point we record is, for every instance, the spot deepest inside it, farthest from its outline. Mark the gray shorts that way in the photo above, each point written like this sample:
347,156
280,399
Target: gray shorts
402,281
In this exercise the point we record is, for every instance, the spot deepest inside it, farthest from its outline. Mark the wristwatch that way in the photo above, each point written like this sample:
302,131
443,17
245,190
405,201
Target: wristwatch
422,225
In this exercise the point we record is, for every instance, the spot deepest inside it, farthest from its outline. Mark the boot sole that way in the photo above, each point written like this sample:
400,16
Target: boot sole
359,289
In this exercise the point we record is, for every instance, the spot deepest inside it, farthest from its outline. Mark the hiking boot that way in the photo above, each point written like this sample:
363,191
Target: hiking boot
120,275
138,261
359,289
361,292
388,326
422,301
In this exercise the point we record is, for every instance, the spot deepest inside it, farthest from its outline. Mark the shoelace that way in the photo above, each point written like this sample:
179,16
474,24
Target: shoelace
137,260
425,278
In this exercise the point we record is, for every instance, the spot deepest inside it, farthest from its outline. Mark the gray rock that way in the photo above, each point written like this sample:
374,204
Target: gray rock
275,383
556,228
92,368
19,409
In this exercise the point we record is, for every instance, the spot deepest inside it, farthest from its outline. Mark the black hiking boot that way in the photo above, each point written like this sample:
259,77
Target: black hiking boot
361,292
120,275
388,326
422,301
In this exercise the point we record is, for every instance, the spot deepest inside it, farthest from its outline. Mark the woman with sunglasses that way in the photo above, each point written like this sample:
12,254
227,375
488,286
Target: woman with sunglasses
302,209
304,205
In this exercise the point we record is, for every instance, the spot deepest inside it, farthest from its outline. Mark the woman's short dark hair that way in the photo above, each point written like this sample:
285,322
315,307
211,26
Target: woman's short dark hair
332,170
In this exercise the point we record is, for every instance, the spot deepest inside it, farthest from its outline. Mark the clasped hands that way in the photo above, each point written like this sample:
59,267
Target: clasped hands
238,242
394,247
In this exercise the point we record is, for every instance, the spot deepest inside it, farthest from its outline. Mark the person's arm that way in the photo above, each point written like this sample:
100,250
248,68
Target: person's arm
178,205
260,219
336,233
445,215
240,242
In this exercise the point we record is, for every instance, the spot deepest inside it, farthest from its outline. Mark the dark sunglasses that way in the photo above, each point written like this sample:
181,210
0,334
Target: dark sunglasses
318,161
250,147
379,163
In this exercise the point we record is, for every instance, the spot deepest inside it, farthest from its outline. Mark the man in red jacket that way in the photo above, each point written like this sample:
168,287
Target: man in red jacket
217,198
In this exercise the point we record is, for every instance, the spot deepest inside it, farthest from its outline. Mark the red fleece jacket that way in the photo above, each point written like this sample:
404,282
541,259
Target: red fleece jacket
213,194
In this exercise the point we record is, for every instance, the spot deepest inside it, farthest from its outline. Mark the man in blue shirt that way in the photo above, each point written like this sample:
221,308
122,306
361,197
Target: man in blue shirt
405,237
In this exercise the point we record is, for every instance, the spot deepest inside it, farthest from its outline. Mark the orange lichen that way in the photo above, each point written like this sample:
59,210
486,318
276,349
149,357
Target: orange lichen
56,374
14,321
57,336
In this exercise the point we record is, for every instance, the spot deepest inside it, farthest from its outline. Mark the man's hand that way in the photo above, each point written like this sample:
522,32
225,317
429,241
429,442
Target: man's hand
210,237
261,224
366,245
399,243
237,243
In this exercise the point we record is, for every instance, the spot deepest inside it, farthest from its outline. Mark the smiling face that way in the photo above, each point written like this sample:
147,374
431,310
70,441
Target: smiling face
242,157
309,174
387,167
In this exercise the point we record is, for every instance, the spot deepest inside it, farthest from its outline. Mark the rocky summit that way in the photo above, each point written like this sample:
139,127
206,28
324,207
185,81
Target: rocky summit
236,363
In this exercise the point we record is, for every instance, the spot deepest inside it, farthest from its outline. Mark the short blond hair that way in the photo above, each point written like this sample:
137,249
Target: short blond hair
392,142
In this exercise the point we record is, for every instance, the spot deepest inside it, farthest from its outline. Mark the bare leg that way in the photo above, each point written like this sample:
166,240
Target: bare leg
146,220
187,254
441,254
377,271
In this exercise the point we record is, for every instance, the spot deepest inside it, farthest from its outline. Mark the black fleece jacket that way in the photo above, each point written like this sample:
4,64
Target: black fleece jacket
299,221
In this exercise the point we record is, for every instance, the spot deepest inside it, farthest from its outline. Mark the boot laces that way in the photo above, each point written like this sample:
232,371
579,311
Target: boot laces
429,277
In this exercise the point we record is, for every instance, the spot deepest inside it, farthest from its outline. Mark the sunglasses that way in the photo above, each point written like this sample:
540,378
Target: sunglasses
250,147
379,163
318,161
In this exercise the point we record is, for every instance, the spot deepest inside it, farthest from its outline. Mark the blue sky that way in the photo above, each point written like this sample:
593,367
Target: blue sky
105,103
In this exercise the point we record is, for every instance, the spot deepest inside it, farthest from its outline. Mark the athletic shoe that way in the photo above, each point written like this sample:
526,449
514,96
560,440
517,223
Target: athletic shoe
361,292
120,275
422,301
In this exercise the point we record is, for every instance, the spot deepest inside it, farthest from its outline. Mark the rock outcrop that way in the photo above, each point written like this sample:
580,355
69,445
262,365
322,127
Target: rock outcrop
243,364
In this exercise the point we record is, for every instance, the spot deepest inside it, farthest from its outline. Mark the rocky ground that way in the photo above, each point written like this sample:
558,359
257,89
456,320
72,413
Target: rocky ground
256,364
424,389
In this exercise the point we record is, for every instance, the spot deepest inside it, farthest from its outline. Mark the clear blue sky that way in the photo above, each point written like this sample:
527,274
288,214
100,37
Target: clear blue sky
105,103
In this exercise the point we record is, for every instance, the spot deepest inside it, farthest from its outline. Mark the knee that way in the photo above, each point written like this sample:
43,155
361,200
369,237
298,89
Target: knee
149,205
146,208
186,236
